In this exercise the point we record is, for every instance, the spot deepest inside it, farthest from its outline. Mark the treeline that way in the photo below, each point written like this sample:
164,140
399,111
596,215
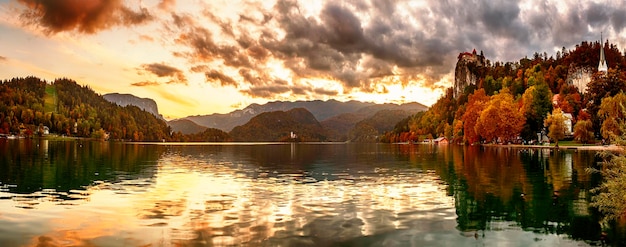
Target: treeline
513,99
28,105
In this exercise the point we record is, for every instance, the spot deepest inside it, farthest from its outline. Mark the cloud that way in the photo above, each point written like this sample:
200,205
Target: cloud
162,70
84,16
363,46
3,58
145,83
167,4
216,76
147,38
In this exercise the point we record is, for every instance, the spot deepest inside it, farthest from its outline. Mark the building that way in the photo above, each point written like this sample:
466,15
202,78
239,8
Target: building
441,140
581,76
602,66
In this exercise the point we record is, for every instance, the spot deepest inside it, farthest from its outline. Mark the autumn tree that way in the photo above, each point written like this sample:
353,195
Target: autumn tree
583,131
475,105
612,114
601,86
570,100
536,104
556,125
501,118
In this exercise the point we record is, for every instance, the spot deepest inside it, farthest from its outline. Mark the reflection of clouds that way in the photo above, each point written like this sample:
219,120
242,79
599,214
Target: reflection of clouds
204,200
287,209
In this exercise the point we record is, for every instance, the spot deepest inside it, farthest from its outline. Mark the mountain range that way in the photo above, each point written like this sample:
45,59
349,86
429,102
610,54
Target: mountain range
331,111
315,120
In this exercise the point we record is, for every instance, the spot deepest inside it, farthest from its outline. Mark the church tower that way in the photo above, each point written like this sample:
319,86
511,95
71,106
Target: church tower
602,65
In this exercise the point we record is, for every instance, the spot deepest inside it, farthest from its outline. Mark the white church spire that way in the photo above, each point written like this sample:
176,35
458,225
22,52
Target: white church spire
602,65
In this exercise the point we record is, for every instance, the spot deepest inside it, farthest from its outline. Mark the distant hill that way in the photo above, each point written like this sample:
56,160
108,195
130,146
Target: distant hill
185,126
321,110
66,108
340,125
145,104
368,130
278,126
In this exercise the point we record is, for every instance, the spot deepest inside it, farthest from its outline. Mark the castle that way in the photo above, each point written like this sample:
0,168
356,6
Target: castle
468,67
466,70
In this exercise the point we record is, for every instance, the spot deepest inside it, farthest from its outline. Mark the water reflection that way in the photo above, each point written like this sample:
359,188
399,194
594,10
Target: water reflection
113,194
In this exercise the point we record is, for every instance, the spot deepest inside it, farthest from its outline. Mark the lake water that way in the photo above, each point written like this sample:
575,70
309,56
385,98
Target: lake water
81,193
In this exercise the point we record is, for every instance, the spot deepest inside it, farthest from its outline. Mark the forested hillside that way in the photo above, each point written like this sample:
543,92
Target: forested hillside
512,100
66,108
278,126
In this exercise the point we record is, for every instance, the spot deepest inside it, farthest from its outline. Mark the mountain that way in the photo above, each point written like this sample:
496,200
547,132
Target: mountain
368,130
321,110
145,104
279,125
185,126
66,108
340,125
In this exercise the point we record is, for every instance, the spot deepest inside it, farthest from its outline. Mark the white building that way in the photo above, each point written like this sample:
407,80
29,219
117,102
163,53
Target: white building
602,66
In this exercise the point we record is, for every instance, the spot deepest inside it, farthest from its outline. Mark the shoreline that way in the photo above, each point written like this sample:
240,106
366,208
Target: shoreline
611,147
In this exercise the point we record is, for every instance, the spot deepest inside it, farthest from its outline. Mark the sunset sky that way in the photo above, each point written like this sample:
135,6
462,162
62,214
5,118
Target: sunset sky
199,57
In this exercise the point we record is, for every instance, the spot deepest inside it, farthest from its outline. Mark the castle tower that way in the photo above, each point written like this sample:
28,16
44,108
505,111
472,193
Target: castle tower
602,65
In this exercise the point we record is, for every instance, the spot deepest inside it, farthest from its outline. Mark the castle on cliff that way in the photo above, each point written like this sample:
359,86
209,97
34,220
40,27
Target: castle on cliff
466,70
469,65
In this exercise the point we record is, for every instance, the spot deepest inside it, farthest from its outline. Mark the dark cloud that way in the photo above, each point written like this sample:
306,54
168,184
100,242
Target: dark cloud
323,91
3,58
203,46
88,16
199,68
361,44
162,70
145,83
216,76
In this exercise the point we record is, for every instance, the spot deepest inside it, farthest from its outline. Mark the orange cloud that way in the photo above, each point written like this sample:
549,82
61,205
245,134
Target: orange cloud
145,83
85,16
167,4
162,70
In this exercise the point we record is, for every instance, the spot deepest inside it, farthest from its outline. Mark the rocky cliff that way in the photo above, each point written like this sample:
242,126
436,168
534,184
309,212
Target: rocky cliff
467,71
145,104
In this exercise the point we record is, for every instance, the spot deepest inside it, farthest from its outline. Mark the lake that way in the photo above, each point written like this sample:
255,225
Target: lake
82,193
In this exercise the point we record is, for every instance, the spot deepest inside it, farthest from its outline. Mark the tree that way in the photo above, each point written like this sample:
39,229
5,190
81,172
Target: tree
610,198
583,131
475,105
602,86
612,114
556,125
501,118
536,104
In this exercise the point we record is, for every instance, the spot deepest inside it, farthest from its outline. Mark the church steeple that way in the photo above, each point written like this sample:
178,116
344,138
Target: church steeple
602,65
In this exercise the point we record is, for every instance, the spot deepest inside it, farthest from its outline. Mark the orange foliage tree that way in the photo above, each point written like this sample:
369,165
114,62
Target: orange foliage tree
475,105
501,118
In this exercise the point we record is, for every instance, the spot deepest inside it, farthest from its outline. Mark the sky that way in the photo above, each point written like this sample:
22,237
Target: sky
196,57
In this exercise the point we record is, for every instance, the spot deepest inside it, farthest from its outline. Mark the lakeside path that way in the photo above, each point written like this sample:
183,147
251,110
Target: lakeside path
590,147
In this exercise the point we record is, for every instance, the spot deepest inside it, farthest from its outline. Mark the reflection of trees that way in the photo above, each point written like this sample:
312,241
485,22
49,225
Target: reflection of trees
64,166
542,190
